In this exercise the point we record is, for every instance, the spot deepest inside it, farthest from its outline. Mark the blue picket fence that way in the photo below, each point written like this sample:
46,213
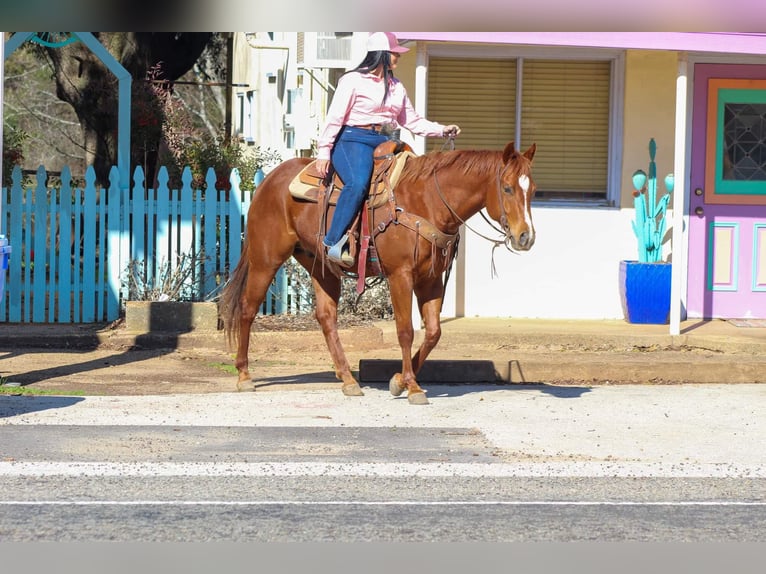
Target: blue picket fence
78,253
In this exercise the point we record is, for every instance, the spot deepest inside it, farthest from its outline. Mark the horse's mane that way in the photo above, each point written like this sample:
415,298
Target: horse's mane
466,161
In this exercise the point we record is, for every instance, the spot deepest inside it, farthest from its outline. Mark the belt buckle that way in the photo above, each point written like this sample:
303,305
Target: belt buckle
386,129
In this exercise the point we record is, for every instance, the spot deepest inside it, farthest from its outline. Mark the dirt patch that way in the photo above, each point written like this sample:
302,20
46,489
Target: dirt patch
285,350
289,352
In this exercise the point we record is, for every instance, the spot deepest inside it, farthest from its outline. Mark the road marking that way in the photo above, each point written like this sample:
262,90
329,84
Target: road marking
715,503
587,469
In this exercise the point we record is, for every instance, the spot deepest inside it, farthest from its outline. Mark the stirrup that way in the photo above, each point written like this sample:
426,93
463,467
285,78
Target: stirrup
337,253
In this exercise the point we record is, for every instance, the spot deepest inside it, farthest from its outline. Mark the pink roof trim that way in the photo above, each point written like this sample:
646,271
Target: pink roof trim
721,42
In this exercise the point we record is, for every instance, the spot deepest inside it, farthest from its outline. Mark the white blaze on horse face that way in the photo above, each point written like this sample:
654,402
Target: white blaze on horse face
524,184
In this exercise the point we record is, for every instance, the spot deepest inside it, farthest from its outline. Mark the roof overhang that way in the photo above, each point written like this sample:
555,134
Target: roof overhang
712,42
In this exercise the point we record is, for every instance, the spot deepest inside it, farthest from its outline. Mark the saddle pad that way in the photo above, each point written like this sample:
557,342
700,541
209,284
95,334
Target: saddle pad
306,184
400,160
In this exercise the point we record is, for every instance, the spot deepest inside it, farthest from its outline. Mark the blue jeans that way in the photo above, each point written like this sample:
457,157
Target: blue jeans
352,159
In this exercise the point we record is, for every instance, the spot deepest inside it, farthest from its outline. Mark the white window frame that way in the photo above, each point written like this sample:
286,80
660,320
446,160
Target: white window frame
521,53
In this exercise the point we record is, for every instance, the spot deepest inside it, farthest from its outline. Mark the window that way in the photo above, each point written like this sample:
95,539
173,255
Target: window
565,110
477,95
561,105
744,150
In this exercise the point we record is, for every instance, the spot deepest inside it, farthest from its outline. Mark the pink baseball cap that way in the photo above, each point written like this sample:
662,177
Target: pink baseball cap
385,41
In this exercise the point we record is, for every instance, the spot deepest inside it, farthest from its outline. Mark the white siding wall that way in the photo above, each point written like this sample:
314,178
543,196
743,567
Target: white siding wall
564,276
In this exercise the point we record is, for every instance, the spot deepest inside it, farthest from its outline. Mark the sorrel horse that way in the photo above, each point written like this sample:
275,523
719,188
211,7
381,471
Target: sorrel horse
415,242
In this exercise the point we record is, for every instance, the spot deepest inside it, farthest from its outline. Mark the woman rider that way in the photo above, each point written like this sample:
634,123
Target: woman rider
369,103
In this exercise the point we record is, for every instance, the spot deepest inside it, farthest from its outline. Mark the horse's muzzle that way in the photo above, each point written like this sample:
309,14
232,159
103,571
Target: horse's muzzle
523,242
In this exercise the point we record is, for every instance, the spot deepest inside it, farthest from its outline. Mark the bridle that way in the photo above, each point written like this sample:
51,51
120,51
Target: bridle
503,230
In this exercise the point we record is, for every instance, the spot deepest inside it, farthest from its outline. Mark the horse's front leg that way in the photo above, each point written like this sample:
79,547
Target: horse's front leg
429,311
327,290
401,299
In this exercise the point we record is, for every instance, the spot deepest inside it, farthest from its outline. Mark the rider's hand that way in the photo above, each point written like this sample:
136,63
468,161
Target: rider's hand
323,166
451,131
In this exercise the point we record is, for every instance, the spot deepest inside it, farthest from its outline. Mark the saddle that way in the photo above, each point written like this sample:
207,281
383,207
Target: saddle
389,159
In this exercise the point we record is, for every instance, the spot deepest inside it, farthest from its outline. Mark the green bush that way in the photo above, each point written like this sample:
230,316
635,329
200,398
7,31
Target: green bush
13,150
224,154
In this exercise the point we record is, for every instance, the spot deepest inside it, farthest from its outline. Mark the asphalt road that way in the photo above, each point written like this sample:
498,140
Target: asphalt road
480,463
153,506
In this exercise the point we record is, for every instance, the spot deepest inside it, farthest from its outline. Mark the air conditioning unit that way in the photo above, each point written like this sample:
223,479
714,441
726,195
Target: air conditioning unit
327,50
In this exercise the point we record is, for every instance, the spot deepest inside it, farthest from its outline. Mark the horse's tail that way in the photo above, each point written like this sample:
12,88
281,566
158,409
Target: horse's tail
230,306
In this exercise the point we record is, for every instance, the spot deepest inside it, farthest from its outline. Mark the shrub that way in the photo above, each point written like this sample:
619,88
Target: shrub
173,282
13,150
374,304
224,154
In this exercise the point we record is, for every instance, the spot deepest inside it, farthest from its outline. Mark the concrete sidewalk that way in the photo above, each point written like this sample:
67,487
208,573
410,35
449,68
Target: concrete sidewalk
473,350
531,430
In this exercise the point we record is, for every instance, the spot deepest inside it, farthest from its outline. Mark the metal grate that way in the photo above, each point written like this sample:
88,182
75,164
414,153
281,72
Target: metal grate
745,138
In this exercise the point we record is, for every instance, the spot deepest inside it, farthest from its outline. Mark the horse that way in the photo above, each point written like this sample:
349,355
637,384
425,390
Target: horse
415,234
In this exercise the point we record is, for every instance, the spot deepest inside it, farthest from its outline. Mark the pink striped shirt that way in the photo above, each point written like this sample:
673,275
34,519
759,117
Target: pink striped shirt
357,102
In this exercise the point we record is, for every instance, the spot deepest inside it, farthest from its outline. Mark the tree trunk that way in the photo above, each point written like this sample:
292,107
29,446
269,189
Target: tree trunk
88,85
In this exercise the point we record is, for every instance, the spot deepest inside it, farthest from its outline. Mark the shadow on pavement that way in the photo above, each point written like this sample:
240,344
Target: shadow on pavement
19,405
463,389
74,368
155,342
297,379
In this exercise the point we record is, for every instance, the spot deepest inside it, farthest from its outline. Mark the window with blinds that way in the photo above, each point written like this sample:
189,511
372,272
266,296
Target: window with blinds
477,95
564,110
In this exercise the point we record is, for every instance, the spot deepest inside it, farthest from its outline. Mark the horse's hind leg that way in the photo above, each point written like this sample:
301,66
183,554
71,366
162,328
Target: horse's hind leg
253,295
327,290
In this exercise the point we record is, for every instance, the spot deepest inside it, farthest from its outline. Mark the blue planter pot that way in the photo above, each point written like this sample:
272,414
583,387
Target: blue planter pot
645,291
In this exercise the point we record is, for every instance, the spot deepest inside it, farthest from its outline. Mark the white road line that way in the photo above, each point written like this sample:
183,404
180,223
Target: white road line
554,469
710,503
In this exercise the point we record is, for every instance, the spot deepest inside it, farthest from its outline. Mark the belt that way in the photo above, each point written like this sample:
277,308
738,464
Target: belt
377,128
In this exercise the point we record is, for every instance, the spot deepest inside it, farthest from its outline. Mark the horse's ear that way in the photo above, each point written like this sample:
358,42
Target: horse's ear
509,150
530,153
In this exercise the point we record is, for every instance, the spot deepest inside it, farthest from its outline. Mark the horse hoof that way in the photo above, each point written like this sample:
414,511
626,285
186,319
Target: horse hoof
352,390
418,398
395,385
245,386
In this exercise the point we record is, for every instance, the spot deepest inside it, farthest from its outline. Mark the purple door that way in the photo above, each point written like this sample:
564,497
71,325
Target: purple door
727,206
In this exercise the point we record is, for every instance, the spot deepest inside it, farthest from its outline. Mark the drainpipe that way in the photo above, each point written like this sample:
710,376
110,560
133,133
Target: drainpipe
679,269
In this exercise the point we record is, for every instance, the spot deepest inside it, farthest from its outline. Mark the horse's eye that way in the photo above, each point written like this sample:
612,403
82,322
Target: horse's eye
508,189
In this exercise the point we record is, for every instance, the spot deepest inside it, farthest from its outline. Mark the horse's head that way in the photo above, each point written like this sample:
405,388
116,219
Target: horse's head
510,204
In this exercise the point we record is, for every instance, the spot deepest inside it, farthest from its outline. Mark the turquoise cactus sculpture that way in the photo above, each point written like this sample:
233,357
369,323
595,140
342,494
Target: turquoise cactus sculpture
649,223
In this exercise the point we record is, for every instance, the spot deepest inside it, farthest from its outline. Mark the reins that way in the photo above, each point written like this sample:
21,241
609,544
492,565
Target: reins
495,242
450,146
464,222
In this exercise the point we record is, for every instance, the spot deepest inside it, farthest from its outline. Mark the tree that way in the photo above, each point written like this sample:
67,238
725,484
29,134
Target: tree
84,82
53,137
